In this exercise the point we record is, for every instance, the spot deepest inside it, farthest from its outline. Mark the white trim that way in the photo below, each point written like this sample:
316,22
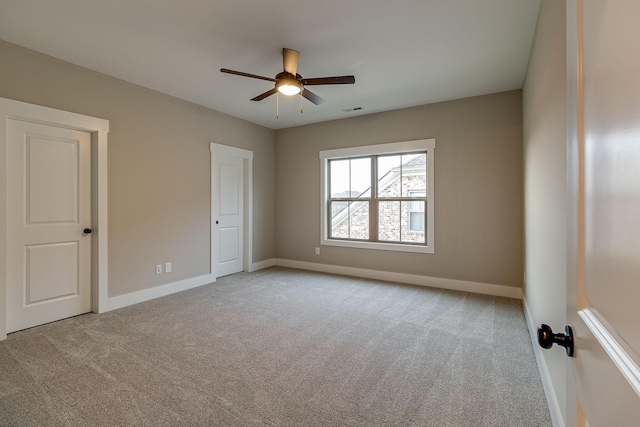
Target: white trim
397,247
411,279
247,259
261,265
550,393
228,150
143,295
247,240
101,270
377,149
23,111
99,128
610,342
367,150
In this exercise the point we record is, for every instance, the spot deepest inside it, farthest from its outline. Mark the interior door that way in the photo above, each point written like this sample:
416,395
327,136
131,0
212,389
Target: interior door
48,223
228,213
604,211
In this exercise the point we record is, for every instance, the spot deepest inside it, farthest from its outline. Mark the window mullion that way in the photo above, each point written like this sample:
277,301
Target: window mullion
349,204
373,204
328,204
400,202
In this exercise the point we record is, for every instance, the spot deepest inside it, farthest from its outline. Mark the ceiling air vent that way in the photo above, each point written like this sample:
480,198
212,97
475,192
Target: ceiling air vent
348,110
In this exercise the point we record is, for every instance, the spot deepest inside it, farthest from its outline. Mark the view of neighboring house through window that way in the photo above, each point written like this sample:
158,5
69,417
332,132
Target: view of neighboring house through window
350,195
416,211
379,200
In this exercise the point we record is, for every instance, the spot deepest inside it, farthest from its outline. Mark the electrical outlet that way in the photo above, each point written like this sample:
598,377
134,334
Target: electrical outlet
317,251
159,269
167,267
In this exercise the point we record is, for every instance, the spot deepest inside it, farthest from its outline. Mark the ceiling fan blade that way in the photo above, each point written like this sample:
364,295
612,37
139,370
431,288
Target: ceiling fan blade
253,76
290,60
312,97
264,95
338,80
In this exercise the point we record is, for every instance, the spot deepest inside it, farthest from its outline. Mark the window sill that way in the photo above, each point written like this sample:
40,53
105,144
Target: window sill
395,247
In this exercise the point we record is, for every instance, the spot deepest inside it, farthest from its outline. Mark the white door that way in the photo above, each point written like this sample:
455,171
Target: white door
48,210
228,213
604,209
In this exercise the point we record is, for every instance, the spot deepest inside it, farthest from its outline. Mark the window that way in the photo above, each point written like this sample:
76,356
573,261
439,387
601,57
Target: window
379,196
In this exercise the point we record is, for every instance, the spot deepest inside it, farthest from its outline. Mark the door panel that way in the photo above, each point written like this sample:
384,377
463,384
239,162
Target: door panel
228,212
42,262
612,163
229,248
230,188
604,204
52,180
605,395
48,206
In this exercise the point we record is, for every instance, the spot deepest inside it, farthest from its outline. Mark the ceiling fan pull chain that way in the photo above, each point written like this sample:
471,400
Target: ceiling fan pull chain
277,106
300,102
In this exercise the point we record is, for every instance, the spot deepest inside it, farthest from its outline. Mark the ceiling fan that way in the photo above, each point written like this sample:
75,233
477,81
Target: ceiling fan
289,82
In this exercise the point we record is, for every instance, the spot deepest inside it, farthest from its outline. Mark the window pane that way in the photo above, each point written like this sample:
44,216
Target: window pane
350,220
413,222
416,211
416,216
339,220
359,220
416,206
389,221
414,173
350,178
361,177
339,173
412,230
416,221
389,176
395,222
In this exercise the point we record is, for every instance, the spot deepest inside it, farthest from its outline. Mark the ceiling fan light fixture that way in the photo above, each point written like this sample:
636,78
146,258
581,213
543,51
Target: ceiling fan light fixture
289,90
289,87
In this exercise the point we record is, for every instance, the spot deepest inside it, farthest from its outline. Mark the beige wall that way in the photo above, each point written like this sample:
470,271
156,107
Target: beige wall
544,110
159,167
478,186
159,176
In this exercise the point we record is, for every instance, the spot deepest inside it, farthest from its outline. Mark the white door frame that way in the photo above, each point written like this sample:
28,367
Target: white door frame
247,238
99,128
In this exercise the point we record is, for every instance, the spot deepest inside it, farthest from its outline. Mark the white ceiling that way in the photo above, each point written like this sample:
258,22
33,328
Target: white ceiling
402,52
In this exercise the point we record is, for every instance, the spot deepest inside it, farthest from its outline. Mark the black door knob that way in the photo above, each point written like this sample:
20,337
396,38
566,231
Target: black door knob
546,338
87,231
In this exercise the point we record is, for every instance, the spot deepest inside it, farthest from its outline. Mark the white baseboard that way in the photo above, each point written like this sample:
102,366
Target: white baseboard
125,300
262,264
120,301
547,385
434,282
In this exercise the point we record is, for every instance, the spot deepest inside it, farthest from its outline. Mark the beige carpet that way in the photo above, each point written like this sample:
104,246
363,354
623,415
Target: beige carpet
280,347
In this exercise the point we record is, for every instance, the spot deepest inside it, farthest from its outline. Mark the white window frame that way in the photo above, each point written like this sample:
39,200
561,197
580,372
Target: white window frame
404,147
